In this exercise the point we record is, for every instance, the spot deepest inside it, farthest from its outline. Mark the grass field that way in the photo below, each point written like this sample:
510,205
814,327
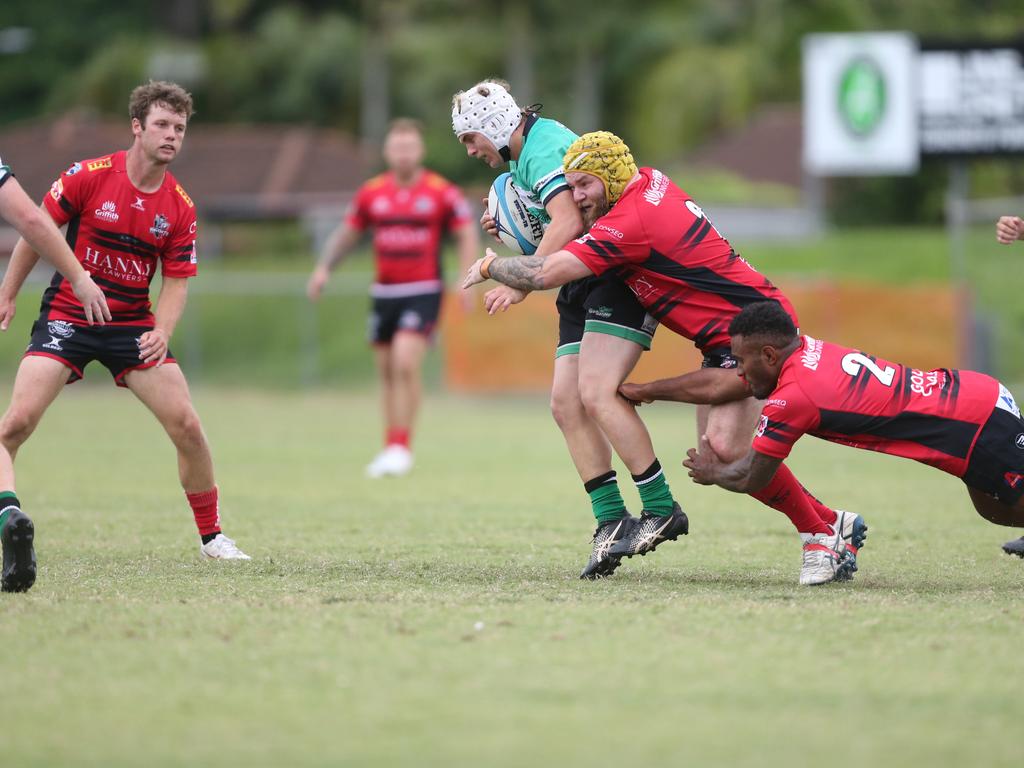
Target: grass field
351,638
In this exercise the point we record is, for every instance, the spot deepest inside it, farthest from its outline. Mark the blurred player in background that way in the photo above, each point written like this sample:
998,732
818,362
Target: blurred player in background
602,329
962,422
16,529
410,209
126,215
649,231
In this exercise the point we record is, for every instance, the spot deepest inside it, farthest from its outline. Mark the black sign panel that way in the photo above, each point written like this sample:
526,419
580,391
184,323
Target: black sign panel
972,99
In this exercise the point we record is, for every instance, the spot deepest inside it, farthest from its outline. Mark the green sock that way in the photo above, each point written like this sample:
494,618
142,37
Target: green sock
605,498
7,499
654,491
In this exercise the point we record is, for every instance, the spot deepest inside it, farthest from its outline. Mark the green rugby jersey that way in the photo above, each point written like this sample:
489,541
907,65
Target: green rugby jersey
538,171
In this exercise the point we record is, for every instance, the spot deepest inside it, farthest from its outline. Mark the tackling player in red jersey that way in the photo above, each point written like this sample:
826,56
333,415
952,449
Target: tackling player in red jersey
962,422
687,276
16,529
410,209
126,216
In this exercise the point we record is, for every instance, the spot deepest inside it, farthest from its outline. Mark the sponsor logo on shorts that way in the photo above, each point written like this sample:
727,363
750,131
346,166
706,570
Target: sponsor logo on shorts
58,329
1013,479
602,311
650,325
1019,442
1006,402
410,320
98,165
73,169
161,226
727,362
107,211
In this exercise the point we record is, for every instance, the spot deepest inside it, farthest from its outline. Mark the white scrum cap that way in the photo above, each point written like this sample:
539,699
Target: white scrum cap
488,109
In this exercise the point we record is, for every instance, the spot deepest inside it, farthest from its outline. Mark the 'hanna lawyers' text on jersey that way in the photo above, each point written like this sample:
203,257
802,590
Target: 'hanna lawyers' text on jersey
684,273
120,235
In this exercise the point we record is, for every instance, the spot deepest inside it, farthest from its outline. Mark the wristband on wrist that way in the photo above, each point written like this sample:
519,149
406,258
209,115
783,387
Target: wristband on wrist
485,267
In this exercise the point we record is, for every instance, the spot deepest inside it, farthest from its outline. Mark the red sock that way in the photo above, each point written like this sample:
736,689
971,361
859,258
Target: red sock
785,494
826,513
204,507
396,436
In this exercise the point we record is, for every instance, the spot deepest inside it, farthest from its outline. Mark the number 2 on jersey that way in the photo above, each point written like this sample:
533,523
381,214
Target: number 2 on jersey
853,362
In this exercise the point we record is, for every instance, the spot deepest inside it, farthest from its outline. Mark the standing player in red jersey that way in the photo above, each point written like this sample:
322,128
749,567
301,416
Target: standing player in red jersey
16,529
688,277
410,209
126,215
962,422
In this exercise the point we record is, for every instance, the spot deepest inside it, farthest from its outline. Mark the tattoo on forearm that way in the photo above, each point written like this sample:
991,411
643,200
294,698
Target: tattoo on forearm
521,272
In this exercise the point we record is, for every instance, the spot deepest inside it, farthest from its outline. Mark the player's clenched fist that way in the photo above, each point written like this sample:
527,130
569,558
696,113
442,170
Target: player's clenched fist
1009,228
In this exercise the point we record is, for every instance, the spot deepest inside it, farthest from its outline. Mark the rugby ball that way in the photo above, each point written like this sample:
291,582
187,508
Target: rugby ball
518,229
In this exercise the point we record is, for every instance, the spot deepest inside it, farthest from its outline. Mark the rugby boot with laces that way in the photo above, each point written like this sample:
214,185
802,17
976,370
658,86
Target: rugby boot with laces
826,559
19,556
854,531
607,535
650,530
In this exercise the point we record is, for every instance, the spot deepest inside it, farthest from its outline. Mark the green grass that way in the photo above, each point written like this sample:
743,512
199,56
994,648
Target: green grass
350,639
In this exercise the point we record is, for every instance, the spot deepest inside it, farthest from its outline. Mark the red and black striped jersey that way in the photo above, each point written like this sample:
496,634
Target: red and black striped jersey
120,235
408,224
845,396
679,266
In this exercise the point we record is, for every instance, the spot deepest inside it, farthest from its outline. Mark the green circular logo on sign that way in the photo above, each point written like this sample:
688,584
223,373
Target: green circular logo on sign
862,96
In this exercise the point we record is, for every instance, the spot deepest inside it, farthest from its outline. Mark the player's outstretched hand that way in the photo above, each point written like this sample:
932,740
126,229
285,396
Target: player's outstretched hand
473,275
153,346
94,303
317,281
487,222
1009,228
702,463
501,298
634,393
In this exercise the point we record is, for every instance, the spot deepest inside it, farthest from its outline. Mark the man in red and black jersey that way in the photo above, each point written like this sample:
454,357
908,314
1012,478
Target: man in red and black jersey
126,216
962,422
660,243
410,210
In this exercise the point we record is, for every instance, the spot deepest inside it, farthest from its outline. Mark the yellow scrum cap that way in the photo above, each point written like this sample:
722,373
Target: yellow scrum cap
604,155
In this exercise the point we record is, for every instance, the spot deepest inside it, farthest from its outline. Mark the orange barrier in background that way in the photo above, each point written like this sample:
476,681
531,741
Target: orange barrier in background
923,326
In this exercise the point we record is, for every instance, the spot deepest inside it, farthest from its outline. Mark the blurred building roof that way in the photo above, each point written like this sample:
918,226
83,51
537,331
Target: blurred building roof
767,149
230,170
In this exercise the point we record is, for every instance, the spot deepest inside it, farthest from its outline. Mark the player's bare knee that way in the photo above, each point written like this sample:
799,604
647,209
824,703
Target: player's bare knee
186,430
566,410
727,448
16,427
597,397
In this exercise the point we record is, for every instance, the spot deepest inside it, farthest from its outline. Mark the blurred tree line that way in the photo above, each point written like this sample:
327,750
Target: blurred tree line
665,74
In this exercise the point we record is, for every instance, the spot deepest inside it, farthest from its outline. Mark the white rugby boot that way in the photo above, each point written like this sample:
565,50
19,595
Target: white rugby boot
394,460
825,559
220,547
